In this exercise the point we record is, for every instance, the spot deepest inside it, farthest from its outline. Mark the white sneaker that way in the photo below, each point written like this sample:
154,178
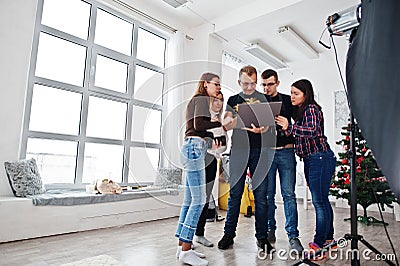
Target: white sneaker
178,251
198,254
189,257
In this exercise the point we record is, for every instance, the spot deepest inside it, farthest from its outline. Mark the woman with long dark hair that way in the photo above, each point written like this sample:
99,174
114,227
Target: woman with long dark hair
211,167
193,151
319,160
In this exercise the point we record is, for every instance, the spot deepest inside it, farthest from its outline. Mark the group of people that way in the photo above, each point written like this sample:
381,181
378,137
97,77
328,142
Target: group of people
262,151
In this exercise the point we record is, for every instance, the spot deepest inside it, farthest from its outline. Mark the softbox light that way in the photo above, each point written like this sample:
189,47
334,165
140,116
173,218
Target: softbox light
373,81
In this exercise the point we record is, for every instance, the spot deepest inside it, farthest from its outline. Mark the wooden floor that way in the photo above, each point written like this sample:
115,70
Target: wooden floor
153,243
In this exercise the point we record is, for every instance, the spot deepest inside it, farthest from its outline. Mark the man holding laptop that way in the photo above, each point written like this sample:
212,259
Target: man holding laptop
285,163
251,149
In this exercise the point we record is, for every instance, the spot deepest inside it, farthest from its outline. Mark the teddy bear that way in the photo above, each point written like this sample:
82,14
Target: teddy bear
107,186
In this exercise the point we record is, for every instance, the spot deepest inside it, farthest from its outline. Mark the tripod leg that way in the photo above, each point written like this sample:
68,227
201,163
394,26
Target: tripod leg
305,261
368,245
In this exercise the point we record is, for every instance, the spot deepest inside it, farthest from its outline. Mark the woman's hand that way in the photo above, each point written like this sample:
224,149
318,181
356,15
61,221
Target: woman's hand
282,121
216,144
229,123
257,130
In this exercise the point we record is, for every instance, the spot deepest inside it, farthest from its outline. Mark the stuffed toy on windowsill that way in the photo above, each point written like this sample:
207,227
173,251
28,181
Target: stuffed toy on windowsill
107,186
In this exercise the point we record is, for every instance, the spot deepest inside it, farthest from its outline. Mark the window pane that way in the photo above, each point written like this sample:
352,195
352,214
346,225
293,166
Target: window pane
113,32
102,161
146,125
57,14
106,118
55,111
143,164
148,85
111,74
60,60
55,159
150,48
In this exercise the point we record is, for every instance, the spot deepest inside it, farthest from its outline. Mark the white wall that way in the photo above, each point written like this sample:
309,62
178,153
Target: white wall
17,21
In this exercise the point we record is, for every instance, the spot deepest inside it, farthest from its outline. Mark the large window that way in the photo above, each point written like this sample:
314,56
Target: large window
94,103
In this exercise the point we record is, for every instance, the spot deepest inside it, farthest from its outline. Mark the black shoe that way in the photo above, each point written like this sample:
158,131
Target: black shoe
219,218
225,242
271,236
249,212
264,244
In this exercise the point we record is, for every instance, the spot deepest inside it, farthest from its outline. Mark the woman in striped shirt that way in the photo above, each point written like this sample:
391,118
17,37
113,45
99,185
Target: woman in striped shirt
319,160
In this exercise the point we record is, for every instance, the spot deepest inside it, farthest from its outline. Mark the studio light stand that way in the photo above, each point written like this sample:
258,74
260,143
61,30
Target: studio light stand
354,237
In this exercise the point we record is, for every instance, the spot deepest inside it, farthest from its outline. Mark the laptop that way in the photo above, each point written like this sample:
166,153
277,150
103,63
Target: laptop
259,114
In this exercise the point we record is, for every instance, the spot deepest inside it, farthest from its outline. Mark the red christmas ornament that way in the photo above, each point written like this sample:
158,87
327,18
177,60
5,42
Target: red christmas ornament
358,169
347,138
364,150
347,181
345,161
360,159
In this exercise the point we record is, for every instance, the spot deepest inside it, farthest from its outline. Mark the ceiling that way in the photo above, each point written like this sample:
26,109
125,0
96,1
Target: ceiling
242,23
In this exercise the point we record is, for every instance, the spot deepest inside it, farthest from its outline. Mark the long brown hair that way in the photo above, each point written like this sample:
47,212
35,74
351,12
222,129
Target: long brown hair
305,87
222,99
206,77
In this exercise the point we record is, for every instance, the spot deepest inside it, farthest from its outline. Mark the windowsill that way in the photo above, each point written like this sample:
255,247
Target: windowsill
68,197
68,186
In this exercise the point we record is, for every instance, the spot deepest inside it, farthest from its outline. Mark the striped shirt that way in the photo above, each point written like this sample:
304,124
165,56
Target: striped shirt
309,132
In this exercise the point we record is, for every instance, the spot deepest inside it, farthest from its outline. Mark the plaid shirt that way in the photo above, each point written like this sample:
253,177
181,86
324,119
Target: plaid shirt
309,132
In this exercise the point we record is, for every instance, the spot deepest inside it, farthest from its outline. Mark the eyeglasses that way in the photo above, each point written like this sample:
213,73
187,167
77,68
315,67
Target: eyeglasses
246,84
215,83
268,84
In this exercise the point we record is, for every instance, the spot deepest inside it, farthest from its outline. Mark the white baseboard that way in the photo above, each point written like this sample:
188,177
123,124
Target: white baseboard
22,220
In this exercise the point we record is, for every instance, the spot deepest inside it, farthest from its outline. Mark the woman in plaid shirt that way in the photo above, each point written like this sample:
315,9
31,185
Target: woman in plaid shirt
319,160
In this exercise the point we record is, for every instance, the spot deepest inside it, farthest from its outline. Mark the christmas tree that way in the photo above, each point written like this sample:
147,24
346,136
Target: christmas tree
369,177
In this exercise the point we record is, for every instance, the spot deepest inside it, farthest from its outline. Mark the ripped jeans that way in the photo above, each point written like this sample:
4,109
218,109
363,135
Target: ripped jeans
192,157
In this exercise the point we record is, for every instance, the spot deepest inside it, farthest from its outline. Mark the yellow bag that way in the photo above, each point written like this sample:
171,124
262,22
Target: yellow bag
223,195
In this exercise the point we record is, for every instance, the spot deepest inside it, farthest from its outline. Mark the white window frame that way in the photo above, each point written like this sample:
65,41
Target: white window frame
89,89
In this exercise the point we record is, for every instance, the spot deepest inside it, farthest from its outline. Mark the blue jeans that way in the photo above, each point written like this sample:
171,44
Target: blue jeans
192,158
319,169
258,162
285,163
